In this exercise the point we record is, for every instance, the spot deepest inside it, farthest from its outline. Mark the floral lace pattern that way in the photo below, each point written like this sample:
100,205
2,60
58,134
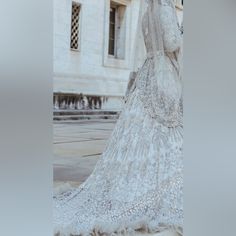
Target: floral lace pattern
137,183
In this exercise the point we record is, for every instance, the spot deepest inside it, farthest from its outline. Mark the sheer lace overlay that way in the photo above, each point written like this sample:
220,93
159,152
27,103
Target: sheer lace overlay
137,183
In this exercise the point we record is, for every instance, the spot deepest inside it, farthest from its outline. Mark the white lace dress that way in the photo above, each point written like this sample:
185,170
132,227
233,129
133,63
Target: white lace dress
137,183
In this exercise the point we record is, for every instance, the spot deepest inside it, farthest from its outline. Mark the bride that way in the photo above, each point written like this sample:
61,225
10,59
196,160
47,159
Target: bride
137,183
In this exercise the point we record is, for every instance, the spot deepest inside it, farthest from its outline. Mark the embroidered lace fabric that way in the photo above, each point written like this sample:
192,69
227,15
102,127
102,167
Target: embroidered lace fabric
137,183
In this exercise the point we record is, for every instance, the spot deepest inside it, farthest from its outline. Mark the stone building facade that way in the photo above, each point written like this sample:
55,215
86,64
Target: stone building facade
93,52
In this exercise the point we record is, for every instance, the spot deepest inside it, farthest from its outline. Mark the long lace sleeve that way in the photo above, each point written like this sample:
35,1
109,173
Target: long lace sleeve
171,34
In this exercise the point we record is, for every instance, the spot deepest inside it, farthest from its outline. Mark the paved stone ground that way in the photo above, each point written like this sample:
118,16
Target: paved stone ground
77,147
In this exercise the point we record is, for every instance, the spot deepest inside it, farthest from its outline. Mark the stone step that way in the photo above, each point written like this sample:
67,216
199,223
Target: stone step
85,115
84,112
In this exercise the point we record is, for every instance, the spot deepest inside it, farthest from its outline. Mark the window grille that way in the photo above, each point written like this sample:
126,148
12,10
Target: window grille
75,15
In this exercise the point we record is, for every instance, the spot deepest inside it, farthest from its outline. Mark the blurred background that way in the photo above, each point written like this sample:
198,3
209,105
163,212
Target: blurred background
26,67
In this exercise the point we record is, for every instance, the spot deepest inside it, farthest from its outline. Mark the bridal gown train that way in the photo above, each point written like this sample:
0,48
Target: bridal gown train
137,183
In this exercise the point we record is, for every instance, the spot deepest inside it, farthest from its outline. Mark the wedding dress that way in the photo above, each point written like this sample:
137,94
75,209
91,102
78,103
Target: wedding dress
137,183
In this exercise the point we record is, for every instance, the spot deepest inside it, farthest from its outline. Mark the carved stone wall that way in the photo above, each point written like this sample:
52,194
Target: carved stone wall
90,70
66,101
89,78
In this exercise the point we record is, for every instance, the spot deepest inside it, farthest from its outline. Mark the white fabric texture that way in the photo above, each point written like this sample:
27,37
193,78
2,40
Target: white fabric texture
137,183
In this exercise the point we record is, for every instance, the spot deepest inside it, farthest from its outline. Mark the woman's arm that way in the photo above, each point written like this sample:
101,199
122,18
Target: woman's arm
169,23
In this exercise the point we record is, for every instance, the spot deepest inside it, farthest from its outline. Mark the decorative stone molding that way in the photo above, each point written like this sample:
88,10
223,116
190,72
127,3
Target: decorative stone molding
67,101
